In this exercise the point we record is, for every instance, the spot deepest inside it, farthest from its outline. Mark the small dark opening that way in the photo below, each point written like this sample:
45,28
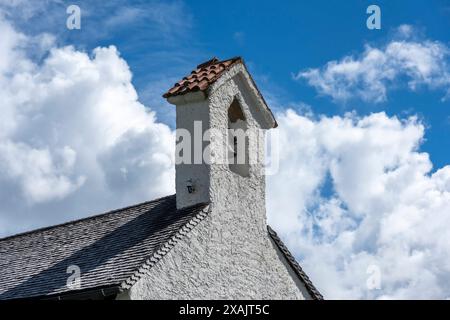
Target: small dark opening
235,112
239,153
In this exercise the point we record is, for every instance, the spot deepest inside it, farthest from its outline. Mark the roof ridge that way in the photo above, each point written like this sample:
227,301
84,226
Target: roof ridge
205,64
82,219
215,60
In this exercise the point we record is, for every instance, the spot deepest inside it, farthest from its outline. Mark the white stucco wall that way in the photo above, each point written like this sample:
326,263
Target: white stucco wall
228,255
187,114
210,263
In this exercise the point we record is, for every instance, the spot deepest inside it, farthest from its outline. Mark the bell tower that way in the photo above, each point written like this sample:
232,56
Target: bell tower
221,118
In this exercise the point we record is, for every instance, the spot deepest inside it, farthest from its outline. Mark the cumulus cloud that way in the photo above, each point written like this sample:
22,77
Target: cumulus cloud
370,75
352,192
73,133
356,192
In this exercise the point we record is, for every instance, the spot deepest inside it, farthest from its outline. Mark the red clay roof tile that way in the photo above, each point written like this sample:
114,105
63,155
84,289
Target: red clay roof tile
202,77
205,75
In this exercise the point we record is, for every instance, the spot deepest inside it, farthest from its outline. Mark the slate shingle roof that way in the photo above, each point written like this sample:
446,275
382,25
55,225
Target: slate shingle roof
112,250
315,294
109,249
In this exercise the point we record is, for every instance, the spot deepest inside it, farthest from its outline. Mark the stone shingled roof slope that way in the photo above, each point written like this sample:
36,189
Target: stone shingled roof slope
109,249
112,250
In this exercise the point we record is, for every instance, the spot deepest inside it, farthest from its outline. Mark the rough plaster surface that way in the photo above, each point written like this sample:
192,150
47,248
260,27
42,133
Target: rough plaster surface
208,264
198,173
229,255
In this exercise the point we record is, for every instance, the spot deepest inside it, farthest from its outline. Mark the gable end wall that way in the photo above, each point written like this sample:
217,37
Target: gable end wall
207,265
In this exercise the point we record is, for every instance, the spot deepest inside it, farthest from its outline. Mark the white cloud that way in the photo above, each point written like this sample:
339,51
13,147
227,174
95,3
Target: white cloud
371,74
385,207
42,175
72,134
74,139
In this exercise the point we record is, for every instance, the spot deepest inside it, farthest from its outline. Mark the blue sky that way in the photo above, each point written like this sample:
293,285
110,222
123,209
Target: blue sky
275,40
363,117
